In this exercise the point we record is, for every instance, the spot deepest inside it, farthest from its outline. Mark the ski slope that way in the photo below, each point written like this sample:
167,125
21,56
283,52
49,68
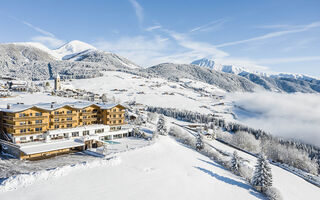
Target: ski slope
165,170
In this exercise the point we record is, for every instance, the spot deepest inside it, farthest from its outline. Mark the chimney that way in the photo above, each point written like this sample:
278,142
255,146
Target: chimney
8,106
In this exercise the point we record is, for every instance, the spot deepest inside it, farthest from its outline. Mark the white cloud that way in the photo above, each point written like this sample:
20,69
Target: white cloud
203,48
143,50
288,60
209,26
47,38
38,29
138,10
294,116
272,35
48,41
151,28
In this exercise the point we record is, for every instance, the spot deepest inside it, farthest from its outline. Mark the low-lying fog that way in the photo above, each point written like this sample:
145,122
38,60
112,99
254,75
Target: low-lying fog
294,116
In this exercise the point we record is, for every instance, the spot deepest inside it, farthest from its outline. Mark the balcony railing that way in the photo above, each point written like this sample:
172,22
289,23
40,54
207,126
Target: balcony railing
117,112
24,118
24,125
63,122
63,114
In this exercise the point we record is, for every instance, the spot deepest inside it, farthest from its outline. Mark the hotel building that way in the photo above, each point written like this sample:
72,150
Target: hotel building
45,129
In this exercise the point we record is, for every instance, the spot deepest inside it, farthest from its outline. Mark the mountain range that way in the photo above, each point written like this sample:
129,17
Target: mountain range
76,59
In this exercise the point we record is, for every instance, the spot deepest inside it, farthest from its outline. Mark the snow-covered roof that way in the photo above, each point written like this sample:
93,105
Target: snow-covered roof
16,108
51,146
53,106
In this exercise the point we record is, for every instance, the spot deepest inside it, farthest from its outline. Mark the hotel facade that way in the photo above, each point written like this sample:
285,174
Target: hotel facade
45,129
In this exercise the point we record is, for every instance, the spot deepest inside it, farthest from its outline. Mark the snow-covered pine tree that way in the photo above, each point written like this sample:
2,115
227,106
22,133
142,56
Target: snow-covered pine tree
199,143
235,163
162,126
262,178
136,132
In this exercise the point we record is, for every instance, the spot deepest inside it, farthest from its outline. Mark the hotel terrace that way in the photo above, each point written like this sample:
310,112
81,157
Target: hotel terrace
46,129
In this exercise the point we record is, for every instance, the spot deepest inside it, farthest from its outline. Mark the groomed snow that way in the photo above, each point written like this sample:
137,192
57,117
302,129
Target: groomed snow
165,170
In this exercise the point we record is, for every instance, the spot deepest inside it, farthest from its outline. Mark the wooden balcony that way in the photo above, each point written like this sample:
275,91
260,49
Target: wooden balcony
24,125
25,118
63,115
91,119
113,113
89,113
63,122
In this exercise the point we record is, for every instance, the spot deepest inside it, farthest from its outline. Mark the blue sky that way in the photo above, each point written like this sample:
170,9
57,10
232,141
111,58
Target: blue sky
270,35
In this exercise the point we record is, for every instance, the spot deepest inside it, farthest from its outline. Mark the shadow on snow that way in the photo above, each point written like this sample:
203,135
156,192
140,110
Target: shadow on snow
231,181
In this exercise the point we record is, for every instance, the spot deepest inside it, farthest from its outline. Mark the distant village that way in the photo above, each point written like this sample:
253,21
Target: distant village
60,88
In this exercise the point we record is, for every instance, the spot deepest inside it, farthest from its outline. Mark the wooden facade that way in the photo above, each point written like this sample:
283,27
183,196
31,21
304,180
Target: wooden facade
34,120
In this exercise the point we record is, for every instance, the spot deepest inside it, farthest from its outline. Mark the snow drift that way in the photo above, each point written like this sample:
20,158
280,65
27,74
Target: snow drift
23,180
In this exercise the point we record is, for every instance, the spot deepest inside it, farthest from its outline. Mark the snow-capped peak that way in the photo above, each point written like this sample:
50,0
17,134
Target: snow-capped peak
204,62
210,63
72,48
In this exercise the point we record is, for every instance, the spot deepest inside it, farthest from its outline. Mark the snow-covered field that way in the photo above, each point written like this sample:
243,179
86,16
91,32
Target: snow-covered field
165,170
155,91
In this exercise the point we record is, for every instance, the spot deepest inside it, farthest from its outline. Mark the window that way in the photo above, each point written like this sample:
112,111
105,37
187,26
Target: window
38,121
22,115
69,112
30,114
84,111
56,112
99,130
114,115
75,134
85,133
69,118
39,114
56,119
84,117
38,129
69,125
65,135
56,126
23,130
22,123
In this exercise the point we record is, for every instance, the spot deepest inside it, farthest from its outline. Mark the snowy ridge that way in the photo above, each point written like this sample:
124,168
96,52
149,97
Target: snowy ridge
242,70
23,180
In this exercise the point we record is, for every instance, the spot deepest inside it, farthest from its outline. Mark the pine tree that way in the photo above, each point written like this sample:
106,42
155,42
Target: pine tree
199,143
161,125
262,178
235,163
